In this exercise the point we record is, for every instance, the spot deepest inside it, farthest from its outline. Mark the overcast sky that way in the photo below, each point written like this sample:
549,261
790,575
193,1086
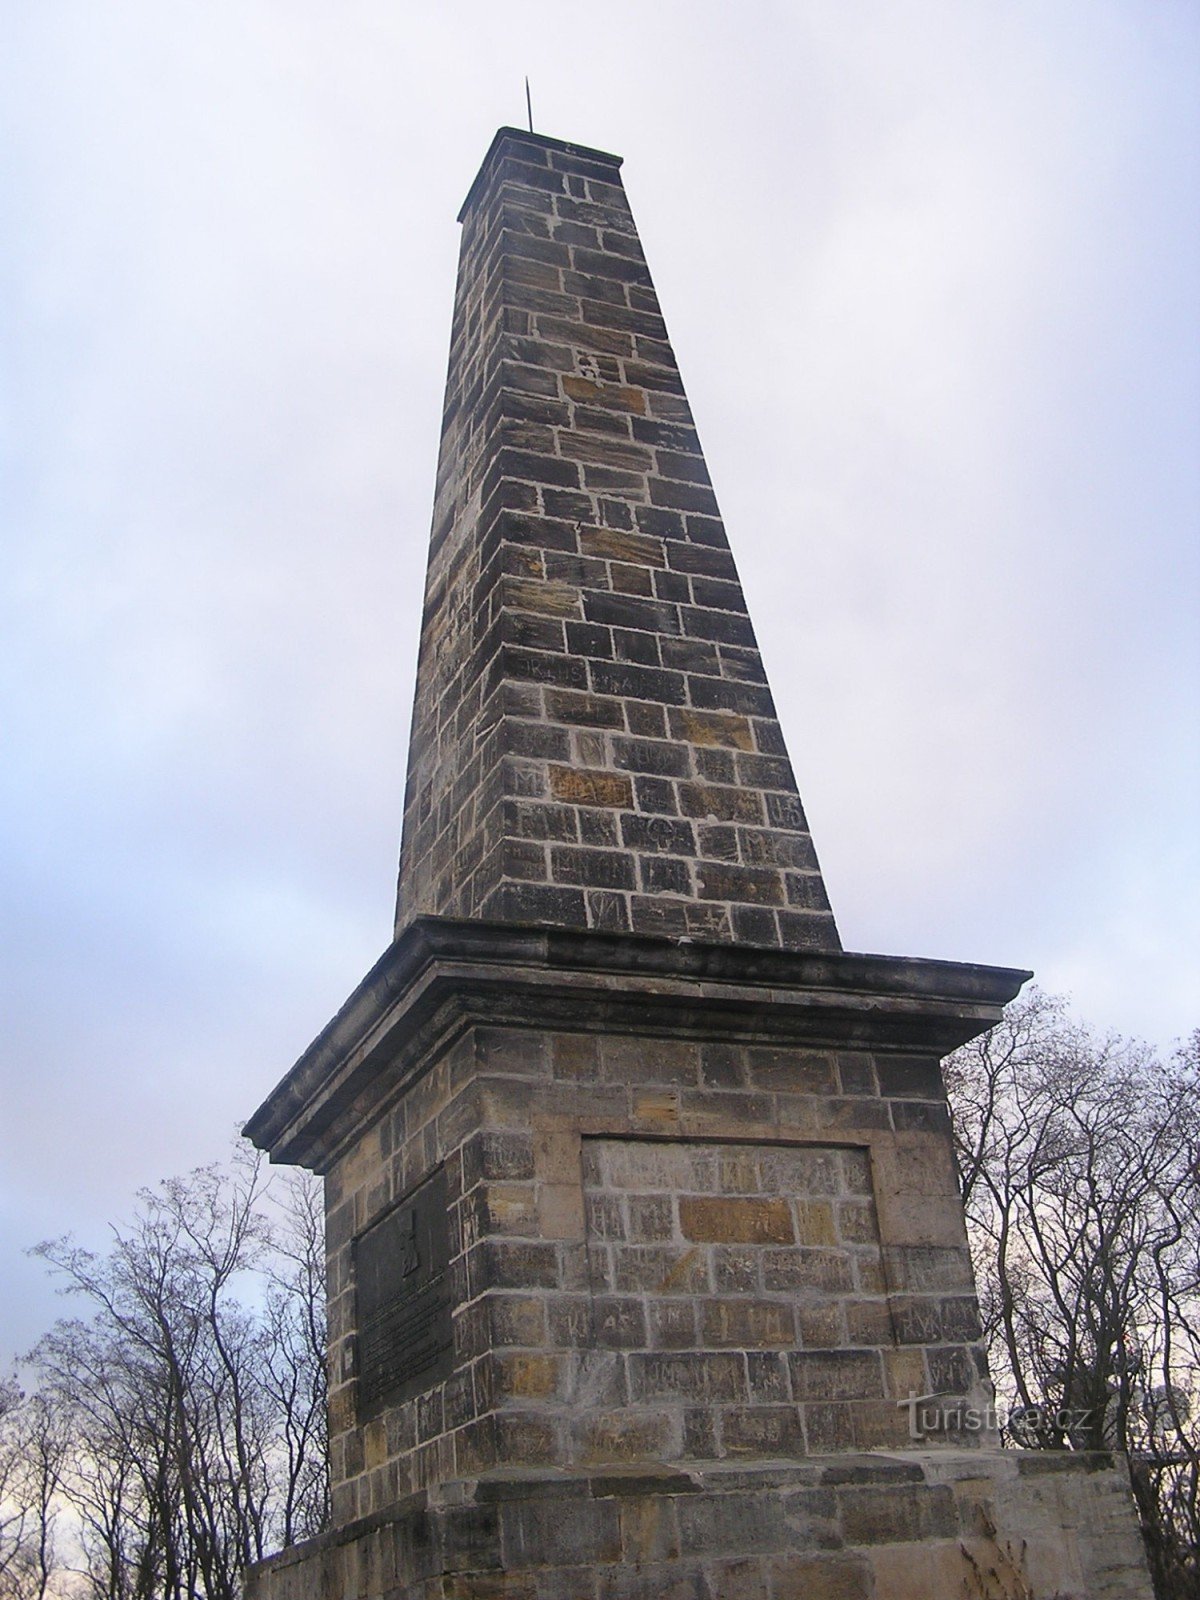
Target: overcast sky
931,273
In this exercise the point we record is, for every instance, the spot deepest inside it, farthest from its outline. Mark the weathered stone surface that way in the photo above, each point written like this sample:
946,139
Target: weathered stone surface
643,1268
577,555
652,1183
917,1527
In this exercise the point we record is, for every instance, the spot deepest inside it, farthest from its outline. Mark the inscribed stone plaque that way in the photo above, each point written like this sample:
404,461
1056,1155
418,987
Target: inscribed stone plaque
405,1338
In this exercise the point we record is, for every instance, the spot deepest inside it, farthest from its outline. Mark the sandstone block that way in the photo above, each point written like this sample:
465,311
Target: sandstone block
835,1374
825,1577
736,1220
591,788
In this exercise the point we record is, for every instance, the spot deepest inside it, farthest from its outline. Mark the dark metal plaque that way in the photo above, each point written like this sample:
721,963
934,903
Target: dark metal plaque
405,1335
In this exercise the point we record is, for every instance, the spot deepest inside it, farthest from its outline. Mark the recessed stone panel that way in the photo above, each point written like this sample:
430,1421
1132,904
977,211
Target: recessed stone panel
719,1246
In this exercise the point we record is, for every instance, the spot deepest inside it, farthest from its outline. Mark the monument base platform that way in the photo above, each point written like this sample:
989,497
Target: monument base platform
921,1525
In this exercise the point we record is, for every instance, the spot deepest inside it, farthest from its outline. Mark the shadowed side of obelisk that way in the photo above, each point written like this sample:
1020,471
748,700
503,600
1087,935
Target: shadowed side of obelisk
594,744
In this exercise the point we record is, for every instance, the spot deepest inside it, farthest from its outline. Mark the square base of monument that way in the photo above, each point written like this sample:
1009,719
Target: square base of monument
936,1525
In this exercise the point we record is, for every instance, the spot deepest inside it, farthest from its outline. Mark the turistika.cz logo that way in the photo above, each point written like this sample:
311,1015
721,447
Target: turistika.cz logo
1033,1426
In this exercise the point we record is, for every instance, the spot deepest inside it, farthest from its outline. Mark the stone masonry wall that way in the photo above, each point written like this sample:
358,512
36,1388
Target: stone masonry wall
730,1248
995,1525
594,743
662,1250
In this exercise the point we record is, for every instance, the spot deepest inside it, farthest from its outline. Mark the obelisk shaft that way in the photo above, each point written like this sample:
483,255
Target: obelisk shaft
594,743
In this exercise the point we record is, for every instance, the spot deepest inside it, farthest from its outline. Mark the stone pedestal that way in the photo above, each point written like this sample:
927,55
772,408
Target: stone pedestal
1009,1525
636,1249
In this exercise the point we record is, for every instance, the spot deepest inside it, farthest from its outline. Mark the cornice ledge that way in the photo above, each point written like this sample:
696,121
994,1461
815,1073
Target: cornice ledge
442,975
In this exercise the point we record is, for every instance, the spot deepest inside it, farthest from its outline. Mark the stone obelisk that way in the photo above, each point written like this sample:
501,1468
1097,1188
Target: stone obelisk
644,1235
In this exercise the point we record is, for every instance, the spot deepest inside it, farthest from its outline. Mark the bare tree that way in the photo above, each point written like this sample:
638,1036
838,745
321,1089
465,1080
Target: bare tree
33,1447
1080,1165
193,1391
294,1370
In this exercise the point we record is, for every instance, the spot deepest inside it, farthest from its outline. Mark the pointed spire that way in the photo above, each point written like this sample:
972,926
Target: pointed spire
594,744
